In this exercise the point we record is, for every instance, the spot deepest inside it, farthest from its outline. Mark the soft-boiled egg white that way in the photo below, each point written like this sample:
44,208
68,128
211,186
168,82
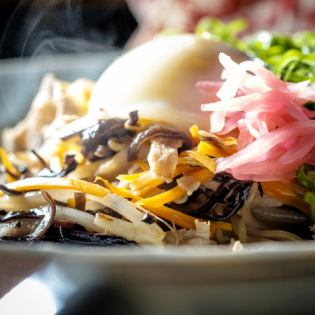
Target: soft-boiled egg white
158,79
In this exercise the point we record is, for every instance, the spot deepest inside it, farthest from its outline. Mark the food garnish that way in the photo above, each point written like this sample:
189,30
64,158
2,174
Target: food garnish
275,131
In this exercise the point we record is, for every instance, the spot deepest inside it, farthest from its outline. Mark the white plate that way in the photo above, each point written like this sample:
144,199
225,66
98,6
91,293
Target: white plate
268,278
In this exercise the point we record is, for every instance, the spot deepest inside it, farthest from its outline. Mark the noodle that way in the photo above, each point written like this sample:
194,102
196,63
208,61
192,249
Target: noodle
277,235
239,228
246,210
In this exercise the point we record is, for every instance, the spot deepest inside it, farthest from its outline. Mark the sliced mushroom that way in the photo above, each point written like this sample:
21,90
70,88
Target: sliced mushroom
153,132
99,134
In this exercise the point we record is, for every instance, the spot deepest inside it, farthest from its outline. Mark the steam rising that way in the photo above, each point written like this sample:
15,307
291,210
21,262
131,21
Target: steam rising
44,29
49,27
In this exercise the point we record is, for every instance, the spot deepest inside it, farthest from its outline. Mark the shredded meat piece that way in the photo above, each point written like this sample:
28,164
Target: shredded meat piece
55,104
168,136
162,160
27,133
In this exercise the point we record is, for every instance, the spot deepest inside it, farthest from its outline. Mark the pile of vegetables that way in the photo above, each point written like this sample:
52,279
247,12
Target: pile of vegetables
275,131
289,56
250,177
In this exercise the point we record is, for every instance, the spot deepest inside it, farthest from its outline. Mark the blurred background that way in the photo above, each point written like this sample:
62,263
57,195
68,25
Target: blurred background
45,27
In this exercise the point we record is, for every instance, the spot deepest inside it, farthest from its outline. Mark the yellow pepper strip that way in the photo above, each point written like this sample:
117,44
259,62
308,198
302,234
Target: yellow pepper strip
285,192
142,183
203,160
163,198
65,147
181,219
184,220
40,183
183,169
144,190
200,175
87,187
8,166
210,149
186,161
139,181
194,132
130,177
227,144
122,192
146,182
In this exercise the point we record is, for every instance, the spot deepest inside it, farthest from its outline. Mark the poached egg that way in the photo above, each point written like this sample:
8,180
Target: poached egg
159,80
